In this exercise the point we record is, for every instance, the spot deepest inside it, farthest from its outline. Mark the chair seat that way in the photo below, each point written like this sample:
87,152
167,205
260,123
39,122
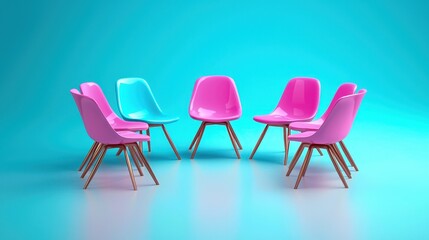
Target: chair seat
279,119
302,137
211,116
120,125
132,137
152,118
306,126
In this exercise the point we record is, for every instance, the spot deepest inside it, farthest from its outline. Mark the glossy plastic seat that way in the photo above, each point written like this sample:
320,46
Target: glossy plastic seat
94,91
101,131
335,128
215,100
299,102
343,90
137,103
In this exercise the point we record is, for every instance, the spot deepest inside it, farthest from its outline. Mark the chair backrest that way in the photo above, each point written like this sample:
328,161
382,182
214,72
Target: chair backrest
339,121
96,124
217,94
343,90
135,96
76,93
301,97
93,90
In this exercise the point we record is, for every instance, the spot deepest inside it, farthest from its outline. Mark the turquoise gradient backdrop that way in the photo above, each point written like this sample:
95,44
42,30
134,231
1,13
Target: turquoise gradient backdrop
48,47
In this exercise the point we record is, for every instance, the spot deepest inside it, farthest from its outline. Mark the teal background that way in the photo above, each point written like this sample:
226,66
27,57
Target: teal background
48,47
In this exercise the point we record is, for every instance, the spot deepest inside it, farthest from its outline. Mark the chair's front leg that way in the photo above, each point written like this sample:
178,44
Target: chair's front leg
232,140
286,133
259,142
198,140
306,161
100,159
196,136
88,155
234,135
348,155
130,169
171,142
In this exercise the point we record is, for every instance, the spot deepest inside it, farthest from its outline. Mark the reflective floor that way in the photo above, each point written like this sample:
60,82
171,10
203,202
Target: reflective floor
216,196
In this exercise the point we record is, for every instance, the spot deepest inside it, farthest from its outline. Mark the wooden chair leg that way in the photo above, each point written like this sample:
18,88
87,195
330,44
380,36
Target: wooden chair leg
286,133
141,143
92,160
234,135
130,170
149,169
341,160
148,142
171,142
135,159
306,160
88,155
306,166
320,152
100,159
198,140
119,152
196,136
331,155
296,158
348,155
232,140
259,142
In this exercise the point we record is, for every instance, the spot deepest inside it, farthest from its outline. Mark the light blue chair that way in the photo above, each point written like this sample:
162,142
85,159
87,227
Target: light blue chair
137,103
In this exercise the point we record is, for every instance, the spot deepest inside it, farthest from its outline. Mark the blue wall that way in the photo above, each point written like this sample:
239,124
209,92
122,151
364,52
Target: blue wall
48,47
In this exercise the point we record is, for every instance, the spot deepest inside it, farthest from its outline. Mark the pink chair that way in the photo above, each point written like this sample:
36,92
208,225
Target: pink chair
94,91
343,90
334,128
101,131
299,102
215,100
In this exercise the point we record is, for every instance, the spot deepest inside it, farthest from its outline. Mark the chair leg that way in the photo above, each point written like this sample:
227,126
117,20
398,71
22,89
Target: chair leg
92,160
198,140
349,157
171,142
100,159
135,159
88,155
196,136
137,155
119,152
149,169
148,142
232,140
341,160
320,152
130,170
259,142
286,133
330,152
141,143
234,135
306,160
295,158
306,166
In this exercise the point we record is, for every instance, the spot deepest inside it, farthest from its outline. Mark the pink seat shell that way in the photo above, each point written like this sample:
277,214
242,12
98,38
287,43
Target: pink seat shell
337,124
98,127
215,99
299,102
343,90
